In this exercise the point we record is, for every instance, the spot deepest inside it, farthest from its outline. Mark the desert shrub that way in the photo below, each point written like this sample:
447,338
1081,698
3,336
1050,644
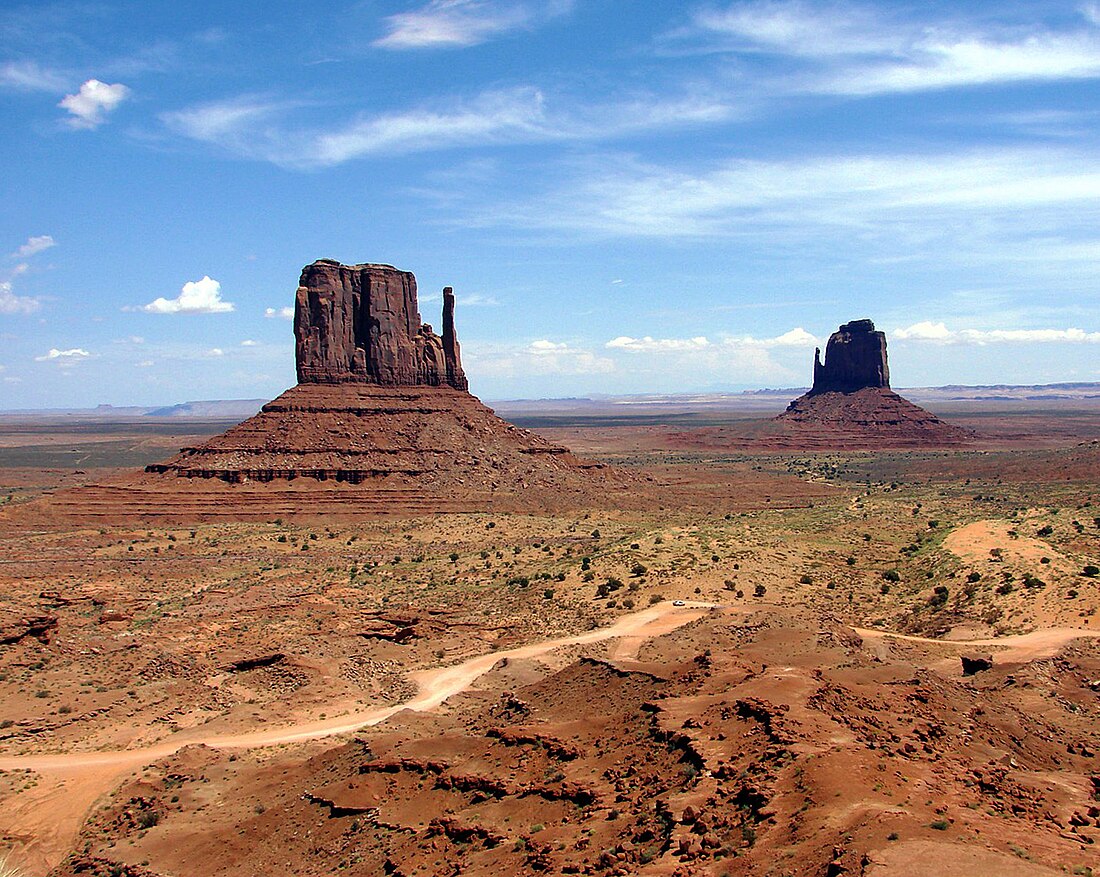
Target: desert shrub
884,588
548,594
759,591
974,577
940,825
1034,583
655,598
892,575
1045,530
939,595
519,581
1091,571
638,570
806,580
613,584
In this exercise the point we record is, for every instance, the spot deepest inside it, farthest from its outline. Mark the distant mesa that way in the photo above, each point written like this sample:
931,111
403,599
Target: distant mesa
851,404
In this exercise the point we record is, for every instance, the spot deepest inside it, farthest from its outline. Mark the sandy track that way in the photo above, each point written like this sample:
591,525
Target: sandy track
1011,649
48,817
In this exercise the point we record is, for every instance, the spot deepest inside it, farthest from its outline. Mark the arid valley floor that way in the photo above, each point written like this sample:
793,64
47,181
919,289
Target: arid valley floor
499,693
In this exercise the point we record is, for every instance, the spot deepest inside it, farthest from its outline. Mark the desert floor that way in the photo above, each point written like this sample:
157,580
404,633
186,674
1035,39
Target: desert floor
497,693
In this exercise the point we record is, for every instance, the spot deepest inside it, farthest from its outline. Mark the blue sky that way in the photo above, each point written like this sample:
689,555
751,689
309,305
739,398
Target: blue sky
627,196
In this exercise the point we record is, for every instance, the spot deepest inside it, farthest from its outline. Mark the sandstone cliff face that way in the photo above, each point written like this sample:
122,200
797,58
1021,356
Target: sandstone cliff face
361,324
855,358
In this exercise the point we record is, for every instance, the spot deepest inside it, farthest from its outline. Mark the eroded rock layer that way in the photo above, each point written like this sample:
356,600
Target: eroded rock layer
358,433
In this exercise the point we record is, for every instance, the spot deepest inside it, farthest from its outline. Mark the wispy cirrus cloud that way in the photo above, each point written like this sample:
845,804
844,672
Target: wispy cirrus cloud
463,23
883,195
938,333
34,245
859,49
30,76
259,127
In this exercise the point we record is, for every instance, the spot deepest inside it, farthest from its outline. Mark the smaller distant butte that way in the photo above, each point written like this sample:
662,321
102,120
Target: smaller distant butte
851,404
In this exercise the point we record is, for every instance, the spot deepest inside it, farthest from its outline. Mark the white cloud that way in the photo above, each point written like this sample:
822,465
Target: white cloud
253,127
30,76
477,300
876,194
279,313
197,297
215,351
74,354
797,337
657,345
461,23
854,49
939,333
10,303
248,342
89,106
34,245
539,357
794,338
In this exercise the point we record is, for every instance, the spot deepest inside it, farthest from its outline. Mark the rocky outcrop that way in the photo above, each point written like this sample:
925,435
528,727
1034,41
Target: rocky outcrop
855,358
381,407
852,406
361,324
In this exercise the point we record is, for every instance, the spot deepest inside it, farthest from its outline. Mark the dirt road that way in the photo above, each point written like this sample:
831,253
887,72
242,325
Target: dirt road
1010,649
47,817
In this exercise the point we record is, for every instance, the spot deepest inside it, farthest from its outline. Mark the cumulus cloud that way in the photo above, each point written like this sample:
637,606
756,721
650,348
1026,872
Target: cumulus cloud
462,23
248,342
539,357
34,244
73,354
91,104
215,351
197,297
10,303
798,337
938,333
279,313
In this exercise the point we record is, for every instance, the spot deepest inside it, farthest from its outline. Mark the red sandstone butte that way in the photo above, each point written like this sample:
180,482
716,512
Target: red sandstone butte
851,404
